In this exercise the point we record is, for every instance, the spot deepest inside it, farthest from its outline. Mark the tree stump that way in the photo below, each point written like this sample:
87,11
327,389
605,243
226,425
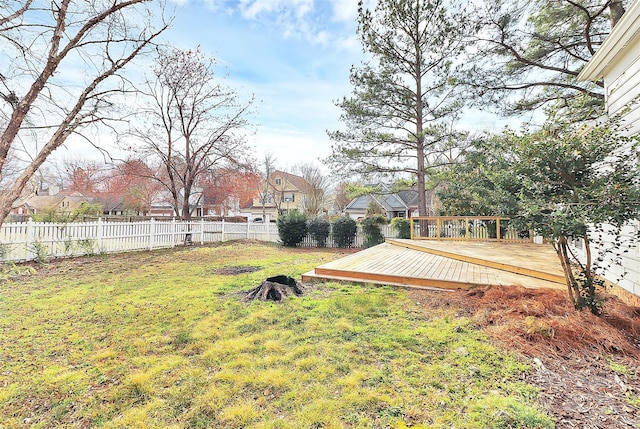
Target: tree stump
275,289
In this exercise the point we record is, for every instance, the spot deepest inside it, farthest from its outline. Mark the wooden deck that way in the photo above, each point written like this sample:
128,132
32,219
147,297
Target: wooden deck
449,265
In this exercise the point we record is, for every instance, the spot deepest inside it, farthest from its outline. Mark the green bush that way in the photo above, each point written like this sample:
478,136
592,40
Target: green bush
51,214
402,226
40,251
319,229
292,228
344,231
371,229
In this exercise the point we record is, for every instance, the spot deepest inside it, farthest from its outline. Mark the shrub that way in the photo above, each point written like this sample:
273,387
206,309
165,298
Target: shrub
40,251
51,214
319,228
371,230
344,231
292,228
402,226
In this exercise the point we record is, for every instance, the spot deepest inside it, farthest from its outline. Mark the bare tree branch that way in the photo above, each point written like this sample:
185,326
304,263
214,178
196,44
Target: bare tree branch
192,124
51,105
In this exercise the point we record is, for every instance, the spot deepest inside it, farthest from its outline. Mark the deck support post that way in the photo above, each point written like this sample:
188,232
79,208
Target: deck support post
466,228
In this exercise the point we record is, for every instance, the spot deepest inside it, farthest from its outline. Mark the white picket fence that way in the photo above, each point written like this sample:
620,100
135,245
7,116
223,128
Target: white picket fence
26,241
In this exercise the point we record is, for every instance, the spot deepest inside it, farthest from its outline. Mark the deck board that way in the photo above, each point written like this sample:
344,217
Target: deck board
522,258
415,263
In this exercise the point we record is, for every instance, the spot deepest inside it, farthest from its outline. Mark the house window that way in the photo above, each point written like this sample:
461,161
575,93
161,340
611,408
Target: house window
288,198
278,181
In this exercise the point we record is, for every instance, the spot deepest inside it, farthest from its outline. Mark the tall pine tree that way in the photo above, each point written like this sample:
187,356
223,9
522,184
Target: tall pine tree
399,117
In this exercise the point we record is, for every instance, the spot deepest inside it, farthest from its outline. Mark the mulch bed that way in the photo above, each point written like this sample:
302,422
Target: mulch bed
572,353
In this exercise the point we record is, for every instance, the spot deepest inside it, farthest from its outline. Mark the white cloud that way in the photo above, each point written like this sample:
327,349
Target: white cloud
320,22
303,7
322,38
349,44
251,9
179,2
291,148
345,10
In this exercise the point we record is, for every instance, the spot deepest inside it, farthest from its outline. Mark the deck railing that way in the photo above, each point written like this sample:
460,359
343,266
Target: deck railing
473,228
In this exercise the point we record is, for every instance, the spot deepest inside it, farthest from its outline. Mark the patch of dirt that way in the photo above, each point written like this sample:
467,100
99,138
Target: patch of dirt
233,271
586,367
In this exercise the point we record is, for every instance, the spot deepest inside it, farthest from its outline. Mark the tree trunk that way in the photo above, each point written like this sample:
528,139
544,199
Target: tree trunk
561,251
275,289
186,216
422,201
616,10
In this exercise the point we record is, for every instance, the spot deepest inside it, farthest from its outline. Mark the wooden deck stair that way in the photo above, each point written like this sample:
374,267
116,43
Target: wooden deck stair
449,265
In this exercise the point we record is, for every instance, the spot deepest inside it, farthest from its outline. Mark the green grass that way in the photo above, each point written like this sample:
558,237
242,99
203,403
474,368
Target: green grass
156,340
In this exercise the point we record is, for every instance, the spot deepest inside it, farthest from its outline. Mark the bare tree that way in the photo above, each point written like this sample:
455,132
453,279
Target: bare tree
342,198
86,177
61,68
135,183
316,185
266,191
193,124
227,189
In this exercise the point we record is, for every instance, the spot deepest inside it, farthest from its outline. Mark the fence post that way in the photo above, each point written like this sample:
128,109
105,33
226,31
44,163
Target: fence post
173,232
498,234
29,240
248,225
152,233
222,232
201,231
99,232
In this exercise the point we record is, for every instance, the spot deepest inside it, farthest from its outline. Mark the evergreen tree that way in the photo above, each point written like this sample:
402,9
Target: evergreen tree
527,54
562,181
399,117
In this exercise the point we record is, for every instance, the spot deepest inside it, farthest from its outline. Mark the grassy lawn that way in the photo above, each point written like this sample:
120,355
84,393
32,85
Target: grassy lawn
160,340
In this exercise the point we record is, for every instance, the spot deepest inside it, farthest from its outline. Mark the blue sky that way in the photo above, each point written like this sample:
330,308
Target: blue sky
294,55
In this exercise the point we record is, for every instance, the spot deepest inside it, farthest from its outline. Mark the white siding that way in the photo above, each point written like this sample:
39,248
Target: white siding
622,264
622,85
618,62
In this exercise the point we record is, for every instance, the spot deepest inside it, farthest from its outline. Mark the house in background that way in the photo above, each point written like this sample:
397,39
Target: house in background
62,202
112,205
281,193
395,204
617,62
